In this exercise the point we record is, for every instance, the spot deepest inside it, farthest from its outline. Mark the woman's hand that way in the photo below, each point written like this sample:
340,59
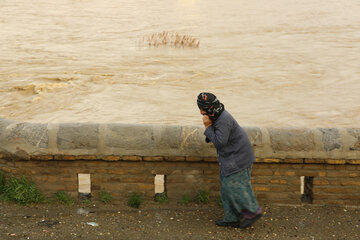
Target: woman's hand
206,120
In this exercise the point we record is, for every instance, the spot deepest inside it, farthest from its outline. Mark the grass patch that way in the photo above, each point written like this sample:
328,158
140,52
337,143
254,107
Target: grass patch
134,201
87,201
19,190
2,183
219,201
202,196
162,198
105,197
185,199
63,198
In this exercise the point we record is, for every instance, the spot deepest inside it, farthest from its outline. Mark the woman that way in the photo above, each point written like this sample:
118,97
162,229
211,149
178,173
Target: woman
235,157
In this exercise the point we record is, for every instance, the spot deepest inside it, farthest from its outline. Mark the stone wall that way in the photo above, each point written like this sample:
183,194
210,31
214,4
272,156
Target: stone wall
124,158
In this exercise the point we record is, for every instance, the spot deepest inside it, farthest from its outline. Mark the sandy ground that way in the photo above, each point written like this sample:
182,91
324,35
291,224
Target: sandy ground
173,221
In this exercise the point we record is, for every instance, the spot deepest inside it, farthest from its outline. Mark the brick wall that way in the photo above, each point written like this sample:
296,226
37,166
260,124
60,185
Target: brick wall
124,158
274,180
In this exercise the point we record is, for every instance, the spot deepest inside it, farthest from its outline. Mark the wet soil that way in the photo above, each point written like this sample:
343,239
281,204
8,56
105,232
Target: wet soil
173,221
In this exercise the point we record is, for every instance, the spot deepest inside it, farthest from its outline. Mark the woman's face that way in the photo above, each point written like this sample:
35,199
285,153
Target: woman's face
203,112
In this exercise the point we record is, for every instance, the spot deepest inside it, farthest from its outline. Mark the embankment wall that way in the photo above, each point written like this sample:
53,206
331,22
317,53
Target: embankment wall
124,158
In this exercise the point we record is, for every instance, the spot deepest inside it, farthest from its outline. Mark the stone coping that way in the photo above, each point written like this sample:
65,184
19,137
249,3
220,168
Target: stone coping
86,141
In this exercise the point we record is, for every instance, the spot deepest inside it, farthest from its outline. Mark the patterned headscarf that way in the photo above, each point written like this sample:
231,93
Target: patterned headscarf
210,104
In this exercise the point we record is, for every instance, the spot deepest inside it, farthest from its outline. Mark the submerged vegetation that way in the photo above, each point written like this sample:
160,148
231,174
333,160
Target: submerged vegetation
166,38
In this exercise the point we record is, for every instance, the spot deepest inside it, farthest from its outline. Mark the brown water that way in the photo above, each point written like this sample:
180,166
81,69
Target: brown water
271,62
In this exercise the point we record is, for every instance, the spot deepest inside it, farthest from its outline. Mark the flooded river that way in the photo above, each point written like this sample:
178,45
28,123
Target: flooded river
271,62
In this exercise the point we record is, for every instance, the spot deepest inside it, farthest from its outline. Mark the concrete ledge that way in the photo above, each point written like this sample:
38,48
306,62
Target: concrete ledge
113,142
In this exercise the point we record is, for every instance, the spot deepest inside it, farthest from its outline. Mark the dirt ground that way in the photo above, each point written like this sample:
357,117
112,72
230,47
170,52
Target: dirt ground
173,221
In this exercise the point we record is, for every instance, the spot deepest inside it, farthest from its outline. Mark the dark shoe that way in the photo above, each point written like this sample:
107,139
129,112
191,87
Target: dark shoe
222,223
250,221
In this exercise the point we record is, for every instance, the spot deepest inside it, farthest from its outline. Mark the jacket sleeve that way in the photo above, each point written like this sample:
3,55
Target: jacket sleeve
219,135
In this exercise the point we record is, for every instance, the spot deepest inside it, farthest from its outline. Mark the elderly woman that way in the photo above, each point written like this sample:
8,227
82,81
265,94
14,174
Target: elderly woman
235,157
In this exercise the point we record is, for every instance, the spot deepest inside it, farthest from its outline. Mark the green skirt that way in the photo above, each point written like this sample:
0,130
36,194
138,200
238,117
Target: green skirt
237,195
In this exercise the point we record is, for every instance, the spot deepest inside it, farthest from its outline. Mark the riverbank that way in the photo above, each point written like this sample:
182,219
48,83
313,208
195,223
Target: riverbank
173,221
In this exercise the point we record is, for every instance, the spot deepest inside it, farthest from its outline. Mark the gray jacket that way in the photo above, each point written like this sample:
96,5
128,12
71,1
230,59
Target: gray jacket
232,144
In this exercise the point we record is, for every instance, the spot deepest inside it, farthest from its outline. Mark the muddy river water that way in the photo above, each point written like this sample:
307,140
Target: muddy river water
271,62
